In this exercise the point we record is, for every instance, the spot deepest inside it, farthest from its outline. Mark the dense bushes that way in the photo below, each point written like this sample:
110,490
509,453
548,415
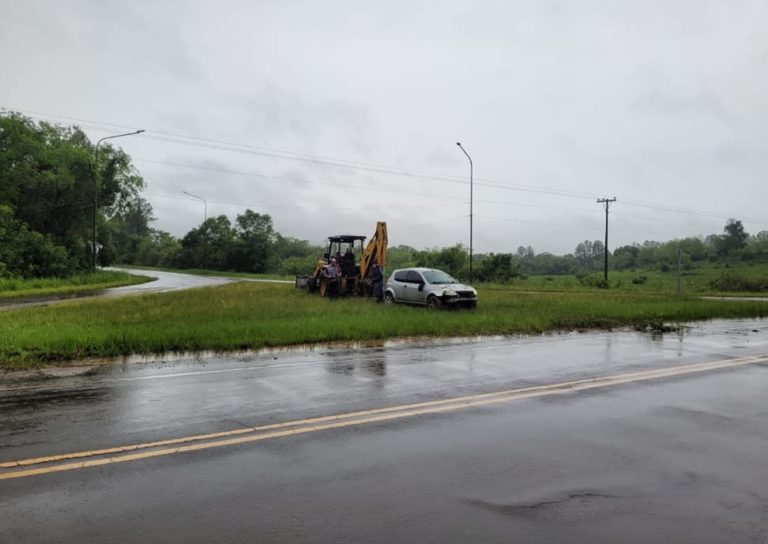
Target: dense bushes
28,254
732,282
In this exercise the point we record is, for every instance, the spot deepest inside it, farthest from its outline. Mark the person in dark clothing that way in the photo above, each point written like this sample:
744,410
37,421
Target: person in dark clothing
377,281
332,273
348,263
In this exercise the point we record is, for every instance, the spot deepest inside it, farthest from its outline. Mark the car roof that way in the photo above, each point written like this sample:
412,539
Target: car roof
416,268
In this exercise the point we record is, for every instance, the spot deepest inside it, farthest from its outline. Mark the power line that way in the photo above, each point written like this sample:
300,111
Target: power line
293,206
444,220
369,167
280,178
525,221
165,136
171,137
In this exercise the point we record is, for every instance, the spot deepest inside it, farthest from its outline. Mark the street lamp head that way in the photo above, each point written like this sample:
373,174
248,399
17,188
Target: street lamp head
458,144
140,131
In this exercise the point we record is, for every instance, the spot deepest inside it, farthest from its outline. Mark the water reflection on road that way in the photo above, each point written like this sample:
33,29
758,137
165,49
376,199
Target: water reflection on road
161,398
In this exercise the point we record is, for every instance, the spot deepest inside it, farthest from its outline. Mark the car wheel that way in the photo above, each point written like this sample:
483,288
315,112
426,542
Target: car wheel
434,303
389,298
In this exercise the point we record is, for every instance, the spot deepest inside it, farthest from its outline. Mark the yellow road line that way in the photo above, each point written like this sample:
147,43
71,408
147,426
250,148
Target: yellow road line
277,430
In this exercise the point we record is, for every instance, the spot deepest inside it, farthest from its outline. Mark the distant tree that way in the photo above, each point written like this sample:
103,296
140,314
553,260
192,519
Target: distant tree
756,248
130,228
453,260
159,248
598,251
734,239
401,256
546,263
583,254
502,267
646,256
296,266
293,257
209,245
696,248
625,257
525,253
285,247
589,254
254,244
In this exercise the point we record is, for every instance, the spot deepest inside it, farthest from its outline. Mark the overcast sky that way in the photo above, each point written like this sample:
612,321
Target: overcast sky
332,115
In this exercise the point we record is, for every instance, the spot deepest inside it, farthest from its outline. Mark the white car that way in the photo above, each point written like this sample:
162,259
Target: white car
428,286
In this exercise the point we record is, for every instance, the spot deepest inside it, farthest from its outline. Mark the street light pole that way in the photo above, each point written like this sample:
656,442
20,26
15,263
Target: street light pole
96,189
205,204
471,191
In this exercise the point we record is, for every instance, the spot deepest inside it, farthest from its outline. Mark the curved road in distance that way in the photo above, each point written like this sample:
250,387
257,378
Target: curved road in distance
165,281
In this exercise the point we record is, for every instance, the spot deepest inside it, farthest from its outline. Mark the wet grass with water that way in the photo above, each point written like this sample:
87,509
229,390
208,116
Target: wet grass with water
251,316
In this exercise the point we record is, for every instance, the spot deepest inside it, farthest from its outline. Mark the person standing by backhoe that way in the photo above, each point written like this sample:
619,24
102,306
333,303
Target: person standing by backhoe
377,282
331,271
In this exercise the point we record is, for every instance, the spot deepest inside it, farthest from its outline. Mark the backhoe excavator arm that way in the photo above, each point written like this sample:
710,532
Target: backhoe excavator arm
375,252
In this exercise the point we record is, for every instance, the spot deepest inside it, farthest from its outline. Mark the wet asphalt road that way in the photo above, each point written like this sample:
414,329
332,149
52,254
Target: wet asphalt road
679,459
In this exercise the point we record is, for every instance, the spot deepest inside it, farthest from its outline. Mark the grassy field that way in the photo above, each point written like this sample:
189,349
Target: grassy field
692,282
81,283
249,315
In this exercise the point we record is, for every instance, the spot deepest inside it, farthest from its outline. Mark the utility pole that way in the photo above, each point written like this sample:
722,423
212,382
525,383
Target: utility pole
607,203
471,202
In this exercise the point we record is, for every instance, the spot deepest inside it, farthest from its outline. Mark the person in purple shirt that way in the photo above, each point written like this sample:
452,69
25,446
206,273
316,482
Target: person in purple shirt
332,273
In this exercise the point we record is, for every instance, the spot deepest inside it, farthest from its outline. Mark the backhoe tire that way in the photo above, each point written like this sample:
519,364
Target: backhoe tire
312,286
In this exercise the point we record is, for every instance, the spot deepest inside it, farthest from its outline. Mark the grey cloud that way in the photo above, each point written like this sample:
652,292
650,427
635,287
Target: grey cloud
667,103
594,98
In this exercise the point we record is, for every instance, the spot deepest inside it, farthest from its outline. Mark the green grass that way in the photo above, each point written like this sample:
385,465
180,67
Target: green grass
249,315
81,283
692,282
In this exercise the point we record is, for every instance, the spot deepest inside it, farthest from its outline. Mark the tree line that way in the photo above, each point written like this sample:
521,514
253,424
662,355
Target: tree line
733,246
54,186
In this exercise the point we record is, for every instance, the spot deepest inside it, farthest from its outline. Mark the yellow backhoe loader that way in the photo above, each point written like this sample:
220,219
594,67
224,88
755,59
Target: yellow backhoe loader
355,262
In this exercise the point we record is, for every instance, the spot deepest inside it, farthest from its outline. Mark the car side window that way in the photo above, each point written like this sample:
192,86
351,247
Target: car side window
401,276
414,277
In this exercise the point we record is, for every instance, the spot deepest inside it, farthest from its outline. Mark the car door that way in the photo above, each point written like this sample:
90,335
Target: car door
399,285
413,293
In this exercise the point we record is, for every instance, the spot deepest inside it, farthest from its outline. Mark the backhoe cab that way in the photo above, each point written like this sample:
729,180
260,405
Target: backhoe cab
355,259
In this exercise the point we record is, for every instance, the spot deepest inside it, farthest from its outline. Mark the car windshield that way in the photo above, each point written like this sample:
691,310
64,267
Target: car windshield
438,276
